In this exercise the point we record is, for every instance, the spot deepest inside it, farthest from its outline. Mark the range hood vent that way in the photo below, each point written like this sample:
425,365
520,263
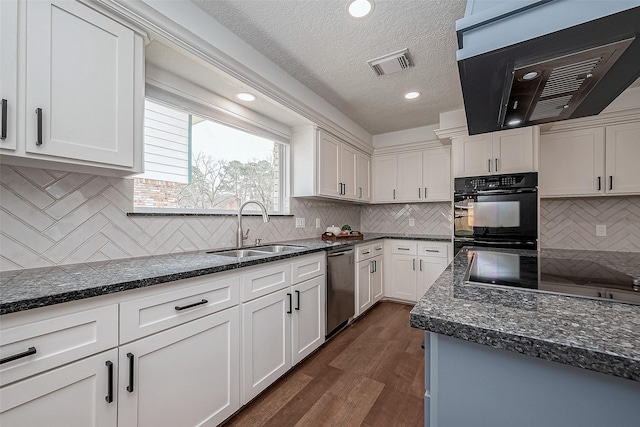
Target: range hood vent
391,63
551,90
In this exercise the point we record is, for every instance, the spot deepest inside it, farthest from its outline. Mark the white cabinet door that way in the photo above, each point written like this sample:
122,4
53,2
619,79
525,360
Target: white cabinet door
80,75
328,165
363,182
83,393
436,175
377,288
384,178
472,155
409,177
9,73
266,341
308,322
623,158
512,151
348,161
572,163
187,376
404,274
430,269
364,299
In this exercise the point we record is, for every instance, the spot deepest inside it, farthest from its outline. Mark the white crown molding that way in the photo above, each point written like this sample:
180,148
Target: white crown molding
413,146
453,132
602,119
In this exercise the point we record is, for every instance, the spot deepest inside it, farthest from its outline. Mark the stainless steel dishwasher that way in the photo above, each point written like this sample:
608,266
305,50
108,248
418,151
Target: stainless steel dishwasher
340,289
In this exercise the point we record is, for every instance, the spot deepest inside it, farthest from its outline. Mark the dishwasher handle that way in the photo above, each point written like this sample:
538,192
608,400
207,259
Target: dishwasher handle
334,254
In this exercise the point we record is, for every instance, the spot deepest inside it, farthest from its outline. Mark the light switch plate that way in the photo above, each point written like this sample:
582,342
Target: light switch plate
317,222
412,222
601,230
299,222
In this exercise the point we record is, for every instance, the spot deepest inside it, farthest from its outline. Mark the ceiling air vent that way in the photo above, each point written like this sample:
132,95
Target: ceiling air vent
391,63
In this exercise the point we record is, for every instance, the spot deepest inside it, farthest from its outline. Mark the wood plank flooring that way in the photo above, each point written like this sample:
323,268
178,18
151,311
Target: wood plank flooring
370,374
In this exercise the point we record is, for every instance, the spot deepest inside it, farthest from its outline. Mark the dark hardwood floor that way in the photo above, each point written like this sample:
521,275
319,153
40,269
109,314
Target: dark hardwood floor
371,374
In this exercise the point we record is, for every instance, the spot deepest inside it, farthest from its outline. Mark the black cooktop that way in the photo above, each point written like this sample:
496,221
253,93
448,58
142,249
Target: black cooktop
583,278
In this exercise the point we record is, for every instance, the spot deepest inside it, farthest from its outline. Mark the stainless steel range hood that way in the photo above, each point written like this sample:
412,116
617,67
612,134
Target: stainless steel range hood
525,62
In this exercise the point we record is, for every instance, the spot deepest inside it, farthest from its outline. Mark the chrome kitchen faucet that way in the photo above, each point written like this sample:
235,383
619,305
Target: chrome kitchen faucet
241,237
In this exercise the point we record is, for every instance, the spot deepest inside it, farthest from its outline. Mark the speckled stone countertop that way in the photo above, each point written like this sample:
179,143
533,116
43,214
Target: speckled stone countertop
599,335
38,287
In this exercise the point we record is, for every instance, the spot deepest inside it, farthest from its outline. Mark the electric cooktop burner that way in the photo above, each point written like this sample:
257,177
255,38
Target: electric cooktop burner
582,278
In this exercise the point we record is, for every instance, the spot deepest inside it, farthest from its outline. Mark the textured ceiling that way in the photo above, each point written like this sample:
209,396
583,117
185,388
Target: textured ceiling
316,42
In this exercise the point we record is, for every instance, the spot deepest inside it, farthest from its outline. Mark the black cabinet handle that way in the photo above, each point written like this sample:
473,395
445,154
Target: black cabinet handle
4,120
496,165
298,299
420,265
360,192
195,304
425,192
599,183
39,124
414,263
371,267
109,396
29,352
610,182
404,249
131,365
489,165
394,194
375,265
419,191
290,304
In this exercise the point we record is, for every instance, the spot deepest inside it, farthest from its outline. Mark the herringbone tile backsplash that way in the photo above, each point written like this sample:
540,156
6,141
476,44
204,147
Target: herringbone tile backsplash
571,223
49,218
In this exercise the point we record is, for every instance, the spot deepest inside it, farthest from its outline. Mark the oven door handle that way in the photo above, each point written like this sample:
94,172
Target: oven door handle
494,192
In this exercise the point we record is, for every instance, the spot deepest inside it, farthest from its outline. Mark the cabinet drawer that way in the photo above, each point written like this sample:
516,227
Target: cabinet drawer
404,248
201,296
377,248
434,249
57,341
364,252
260,281
306,268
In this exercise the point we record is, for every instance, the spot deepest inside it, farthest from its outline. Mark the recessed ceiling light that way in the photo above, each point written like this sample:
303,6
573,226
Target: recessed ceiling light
360,8
530,75
243,96
514,122
412,95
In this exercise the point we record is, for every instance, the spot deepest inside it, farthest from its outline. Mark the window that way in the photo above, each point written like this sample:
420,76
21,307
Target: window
195,164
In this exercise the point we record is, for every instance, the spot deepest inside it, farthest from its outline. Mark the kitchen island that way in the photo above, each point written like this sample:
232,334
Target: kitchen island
508,357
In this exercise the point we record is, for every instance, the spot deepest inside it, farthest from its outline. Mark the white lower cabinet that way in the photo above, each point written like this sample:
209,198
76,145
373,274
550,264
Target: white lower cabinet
308,318
188,375
415,265
369,288
79,394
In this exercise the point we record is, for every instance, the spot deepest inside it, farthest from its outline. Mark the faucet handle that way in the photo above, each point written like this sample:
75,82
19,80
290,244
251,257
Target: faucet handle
257,241
245,236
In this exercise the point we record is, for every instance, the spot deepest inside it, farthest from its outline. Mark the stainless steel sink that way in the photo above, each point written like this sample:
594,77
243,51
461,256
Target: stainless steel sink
241,253
278,248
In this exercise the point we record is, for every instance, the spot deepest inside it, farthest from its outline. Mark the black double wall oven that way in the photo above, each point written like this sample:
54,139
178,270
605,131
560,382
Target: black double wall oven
499,211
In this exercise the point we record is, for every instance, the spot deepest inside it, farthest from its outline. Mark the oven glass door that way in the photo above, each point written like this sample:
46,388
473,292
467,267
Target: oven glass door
500,216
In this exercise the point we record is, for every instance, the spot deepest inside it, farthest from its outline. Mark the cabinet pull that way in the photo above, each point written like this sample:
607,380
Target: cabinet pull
599,294
375,265
361,192
489,165
599,183
419,190
298,300
432,250
290,303
109,396
394,194
496,165
39,126
131,365
404,249
184,307
29,352
425,192
610,182
4,119
420,265
371,270
378,249
414,263
366,253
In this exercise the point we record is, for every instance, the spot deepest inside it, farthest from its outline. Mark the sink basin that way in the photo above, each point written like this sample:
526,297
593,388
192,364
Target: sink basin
241,253
278,248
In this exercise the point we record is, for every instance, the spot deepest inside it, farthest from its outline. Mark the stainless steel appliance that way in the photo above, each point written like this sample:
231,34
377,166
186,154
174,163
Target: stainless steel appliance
499,211
575,277
340,289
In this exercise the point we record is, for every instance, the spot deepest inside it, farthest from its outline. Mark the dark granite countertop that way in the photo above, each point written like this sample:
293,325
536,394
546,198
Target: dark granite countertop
599,335
38,287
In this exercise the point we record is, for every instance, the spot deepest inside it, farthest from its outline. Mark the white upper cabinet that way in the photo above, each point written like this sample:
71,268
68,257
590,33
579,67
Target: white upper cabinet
415,176
324,165
83,86
593,161
508,151
9,73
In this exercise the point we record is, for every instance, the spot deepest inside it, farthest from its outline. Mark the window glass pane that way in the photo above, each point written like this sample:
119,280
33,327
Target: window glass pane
226,166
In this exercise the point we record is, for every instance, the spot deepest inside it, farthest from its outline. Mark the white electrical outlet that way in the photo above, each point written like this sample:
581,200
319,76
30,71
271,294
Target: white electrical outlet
412,222
317,222
601,230
299,222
